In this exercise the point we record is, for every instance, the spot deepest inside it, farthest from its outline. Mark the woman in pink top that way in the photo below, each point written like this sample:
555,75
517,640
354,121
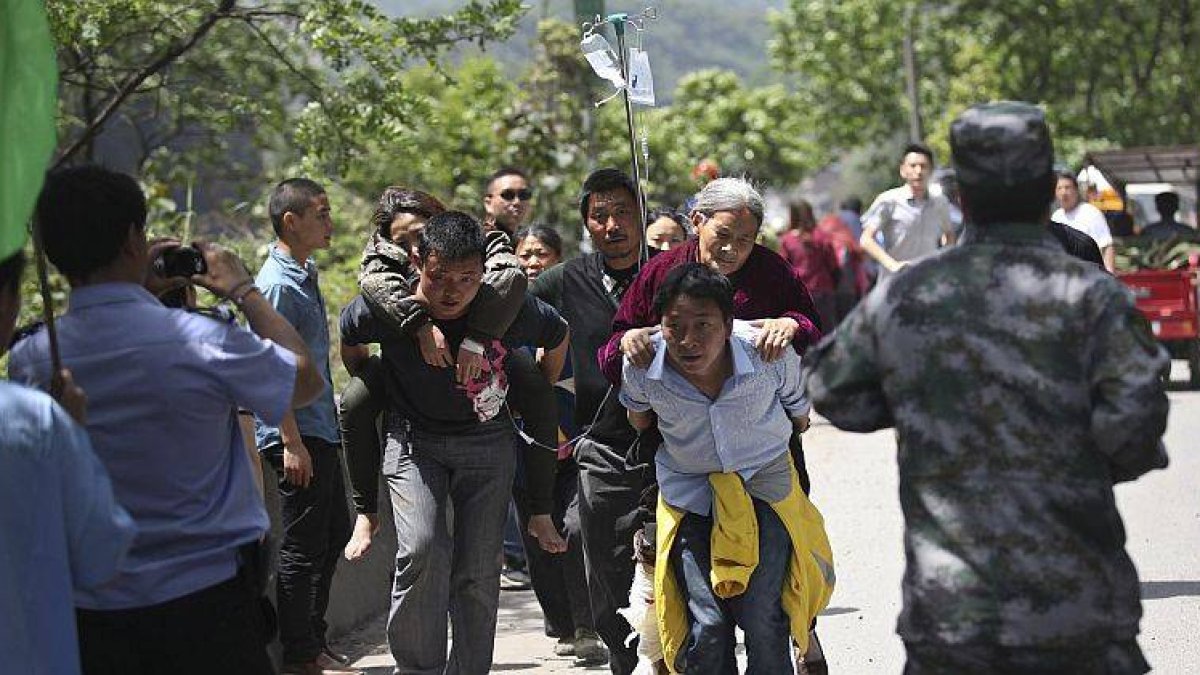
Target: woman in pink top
813,258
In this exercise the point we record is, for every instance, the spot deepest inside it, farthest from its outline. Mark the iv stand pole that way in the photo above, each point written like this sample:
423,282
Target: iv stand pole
618,24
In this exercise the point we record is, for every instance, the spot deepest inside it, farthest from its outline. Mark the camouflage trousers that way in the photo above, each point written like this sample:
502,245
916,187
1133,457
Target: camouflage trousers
1114,658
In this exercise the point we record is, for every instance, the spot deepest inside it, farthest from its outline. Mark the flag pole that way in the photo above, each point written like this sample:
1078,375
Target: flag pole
39,258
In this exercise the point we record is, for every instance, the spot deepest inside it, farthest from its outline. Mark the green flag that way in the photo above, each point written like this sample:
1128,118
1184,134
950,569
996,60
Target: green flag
28,96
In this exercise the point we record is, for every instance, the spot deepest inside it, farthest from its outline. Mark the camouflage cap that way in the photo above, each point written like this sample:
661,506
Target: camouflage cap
1001,144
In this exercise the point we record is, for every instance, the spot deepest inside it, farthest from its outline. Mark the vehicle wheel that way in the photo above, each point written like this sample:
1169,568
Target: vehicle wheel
1194,364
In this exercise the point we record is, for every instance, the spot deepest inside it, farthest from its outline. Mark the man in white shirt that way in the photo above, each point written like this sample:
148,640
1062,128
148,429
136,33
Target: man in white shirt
913,221
1082,216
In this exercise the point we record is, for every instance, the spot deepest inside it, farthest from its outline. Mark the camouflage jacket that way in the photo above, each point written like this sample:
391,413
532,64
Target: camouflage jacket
1022,384
388,279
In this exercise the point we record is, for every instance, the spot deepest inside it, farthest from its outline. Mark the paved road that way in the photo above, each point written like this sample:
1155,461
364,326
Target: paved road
856,489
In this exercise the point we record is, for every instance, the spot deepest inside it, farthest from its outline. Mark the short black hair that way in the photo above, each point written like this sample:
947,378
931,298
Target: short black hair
1025,202
10,273
695,280
1166,203
293,194
397,199
920,149
668,212
604,180
452,235
85,214
543,233
501,173
1066,174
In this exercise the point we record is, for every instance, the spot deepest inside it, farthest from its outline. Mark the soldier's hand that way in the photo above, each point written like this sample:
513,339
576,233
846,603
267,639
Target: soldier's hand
226,272
432,344
800,423
637,347
774,336
541,527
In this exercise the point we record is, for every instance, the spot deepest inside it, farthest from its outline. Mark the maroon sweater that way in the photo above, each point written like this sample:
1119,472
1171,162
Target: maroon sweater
764,288
813,259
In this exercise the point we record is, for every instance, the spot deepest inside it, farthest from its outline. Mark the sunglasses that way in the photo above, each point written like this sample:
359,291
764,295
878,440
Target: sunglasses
509,195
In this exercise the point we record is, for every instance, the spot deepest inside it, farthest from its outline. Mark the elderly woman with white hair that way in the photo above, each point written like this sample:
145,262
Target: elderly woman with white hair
727,216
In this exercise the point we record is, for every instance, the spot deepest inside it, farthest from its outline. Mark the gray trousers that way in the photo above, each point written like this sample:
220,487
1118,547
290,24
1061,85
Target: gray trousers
607,515
444,566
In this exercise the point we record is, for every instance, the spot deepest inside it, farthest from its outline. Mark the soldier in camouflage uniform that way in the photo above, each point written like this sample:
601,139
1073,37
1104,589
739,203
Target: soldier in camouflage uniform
1022,384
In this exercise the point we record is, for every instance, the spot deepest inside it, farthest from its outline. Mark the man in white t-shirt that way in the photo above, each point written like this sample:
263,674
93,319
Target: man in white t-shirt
1082,216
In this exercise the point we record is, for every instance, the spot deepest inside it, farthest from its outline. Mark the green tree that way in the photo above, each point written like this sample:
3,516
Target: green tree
761,132
314,77
301,85
479,117
1116,72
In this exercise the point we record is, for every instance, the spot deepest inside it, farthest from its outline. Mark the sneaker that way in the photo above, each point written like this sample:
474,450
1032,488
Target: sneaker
565,646
589,650
514,580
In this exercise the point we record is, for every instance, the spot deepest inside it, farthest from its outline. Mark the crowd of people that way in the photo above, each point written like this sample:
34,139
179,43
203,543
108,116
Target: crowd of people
619,409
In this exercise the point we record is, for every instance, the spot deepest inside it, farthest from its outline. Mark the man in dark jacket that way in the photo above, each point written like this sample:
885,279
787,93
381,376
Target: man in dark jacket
586,291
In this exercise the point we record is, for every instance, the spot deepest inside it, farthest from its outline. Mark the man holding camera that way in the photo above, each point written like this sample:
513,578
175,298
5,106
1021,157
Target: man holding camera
164,386
303,448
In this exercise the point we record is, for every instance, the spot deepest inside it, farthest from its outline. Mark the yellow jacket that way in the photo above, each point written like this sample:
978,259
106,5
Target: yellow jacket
810,579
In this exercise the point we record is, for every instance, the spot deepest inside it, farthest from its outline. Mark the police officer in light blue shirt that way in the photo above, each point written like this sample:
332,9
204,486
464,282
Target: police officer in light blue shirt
164,386
60,527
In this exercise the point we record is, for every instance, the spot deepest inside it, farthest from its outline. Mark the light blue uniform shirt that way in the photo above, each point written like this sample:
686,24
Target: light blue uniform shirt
163,388
293,291
746,429
60,528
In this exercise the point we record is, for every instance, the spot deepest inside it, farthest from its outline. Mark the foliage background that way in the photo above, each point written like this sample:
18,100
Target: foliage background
439,93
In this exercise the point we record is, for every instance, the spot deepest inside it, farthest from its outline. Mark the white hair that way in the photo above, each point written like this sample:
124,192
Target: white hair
730,194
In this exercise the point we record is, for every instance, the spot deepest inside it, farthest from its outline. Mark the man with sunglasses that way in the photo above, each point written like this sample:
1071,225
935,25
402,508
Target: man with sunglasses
507,200
507,205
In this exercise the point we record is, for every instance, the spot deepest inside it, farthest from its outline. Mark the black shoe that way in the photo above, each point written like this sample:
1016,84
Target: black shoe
814,659
340,659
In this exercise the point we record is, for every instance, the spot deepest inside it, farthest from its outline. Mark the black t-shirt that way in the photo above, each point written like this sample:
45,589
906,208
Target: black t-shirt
429,397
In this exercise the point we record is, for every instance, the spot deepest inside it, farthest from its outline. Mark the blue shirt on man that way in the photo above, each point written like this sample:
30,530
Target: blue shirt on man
292,290
745,429
163,388
60,529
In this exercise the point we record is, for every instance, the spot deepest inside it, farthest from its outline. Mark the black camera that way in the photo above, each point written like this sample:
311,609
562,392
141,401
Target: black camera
183,261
